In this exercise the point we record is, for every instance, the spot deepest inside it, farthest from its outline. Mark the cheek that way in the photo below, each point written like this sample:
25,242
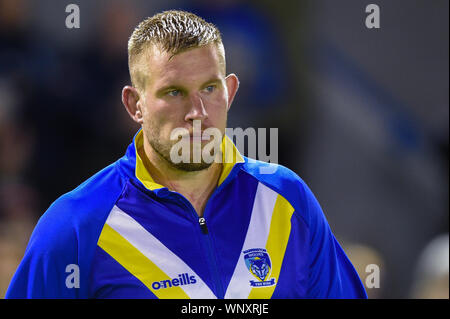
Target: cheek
218,107
155,111
160,117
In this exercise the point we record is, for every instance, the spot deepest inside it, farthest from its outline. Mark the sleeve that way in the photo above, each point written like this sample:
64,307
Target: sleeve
331,274
49,268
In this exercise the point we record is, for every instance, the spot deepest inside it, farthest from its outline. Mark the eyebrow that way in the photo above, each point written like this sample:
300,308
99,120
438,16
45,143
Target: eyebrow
170,87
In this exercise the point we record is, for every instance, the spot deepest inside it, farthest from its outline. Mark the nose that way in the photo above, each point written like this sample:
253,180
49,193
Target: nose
197,110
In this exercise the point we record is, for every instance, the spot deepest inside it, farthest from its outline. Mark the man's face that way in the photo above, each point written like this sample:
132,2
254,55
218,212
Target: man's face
180,89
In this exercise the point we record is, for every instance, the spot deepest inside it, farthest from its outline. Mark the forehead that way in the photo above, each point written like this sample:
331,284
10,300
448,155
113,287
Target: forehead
192,65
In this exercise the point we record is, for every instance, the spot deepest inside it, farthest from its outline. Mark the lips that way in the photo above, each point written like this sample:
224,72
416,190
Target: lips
199,138
195,134
199,135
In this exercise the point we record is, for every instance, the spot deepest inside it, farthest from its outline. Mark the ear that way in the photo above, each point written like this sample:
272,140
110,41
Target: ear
133,103
232,83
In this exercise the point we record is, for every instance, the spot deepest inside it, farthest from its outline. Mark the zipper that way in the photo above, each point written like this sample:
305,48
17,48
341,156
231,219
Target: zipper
216,276
203,226
206,237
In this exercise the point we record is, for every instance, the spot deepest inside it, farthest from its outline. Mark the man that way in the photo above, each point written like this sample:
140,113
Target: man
150,226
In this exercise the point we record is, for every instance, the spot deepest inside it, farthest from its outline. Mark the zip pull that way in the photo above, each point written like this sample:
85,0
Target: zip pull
202,223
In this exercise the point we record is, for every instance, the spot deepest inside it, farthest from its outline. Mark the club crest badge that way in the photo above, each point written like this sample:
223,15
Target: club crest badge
259,265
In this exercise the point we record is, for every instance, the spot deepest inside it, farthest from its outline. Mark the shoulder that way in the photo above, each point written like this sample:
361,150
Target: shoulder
67,234
79,213
284,181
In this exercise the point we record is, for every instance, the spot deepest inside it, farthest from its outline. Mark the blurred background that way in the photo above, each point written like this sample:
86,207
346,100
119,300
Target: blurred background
362,116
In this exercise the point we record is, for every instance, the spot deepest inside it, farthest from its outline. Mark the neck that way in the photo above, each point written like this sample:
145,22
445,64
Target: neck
196,186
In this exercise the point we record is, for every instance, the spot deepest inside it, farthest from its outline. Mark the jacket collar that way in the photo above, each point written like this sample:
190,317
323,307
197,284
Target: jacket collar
230,157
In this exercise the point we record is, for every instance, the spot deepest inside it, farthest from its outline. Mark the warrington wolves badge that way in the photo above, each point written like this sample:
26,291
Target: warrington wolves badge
258,263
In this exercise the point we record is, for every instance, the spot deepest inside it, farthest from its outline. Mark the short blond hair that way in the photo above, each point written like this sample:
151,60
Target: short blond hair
171,31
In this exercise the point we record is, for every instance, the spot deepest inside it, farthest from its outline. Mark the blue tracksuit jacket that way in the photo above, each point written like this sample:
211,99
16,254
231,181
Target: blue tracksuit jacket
121,235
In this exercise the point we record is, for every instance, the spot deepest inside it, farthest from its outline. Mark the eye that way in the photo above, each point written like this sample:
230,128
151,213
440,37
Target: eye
174,93
210,88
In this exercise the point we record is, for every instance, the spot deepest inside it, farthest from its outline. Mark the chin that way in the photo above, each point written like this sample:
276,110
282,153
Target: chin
191,167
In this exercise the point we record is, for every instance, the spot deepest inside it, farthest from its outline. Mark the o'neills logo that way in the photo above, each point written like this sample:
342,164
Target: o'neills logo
181,280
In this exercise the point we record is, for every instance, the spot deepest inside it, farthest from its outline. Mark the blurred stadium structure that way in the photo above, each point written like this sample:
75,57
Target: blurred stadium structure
363,115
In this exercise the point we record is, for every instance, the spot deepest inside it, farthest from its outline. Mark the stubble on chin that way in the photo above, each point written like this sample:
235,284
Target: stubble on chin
163,150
